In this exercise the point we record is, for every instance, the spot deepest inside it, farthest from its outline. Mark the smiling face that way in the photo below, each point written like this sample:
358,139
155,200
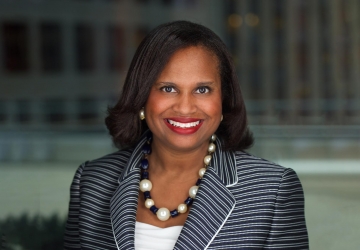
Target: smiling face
184,105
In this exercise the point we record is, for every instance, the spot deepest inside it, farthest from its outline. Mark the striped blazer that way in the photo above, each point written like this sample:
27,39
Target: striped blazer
243,202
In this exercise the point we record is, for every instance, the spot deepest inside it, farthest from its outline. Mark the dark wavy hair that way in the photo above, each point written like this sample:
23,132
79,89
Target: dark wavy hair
150,58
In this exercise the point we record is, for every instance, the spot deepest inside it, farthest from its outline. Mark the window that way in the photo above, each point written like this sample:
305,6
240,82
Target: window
23,111
87,110
54,110
2,111
179,3
167,2
15,47
140,34
85,47
51,47
116,47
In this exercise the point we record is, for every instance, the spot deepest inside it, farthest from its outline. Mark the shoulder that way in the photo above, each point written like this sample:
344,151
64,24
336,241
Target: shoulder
263,172
116,159
107,167
248,162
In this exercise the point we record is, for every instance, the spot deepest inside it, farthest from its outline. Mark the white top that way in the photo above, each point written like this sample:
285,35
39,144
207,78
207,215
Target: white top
149,237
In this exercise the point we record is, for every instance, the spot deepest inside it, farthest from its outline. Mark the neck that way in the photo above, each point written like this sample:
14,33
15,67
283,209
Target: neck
176,163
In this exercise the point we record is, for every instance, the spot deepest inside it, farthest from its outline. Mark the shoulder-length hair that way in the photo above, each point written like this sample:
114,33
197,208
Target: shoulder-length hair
150,58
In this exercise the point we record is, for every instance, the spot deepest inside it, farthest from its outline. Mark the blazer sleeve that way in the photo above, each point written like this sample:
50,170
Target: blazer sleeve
71,236
288,229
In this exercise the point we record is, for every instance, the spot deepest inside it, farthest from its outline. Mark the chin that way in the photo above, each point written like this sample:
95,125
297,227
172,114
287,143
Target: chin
186,143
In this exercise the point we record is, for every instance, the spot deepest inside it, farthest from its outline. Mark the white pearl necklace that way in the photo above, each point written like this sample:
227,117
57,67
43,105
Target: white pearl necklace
163,213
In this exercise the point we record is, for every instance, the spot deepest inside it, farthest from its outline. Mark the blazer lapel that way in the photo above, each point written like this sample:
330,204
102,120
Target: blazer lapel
123,208
123,204
213,203
211,208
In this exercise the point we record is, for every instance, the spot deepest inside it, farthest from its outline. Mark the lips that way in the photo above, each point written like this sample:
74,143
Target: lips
183,125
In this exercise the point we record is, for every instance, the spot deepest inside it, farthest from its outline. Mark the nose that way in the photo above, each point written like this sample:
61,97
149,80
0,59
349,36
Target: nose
185,104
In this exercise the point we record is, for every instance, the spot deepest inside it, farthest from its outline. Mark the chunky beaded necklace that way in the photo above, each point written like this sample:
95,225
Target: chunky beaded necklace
163,213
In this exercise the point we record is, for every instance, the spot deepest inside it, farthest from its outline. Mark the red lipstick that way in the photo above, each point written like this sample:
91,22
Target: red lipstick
183,130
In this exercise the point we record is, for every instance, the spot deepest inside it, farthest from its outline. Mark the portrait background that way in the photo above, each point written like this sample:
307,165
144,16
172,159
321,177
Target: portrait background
62,62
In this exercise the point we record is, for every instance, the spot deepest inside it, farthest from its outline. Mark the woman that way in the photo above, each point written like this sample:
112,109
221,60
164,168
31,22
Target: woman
176,185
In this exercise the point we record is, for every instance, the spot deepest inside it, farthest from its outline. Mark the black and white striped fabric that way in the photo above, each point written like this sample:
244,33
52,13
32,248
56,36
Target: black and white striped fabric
243,202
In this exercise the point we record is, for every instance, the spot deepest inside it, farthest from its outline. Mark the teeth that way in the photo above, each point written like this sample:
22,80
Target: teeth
183,125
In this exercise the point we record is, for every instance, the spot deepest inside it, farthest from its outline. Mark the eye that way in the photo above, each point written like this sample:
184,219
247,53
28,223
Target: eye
203,90
168,89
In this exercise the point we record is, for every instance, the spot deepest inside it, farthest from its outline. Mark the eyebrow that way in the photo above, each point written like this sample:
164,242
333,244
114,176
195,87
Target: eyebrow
174,84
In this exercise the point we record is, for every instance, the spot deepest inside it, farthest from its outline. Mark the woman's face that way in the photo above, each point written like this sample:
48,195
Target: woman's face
184,105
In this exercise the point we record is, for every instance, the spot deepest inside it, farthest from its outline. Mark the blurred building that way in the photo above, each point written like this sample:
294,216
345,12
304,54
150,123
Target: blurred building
299,60
63,61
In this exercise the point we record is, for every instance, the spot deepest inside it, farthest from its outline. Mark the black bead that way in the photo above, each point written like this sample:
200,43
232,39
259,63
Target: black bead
144,164
145,175
147,195
189,201
149,137
146,149
198,182
154,209
174,213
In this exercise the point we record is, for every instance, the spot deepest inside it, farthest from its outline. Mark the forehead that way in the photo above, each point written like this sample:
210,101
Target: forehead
190,62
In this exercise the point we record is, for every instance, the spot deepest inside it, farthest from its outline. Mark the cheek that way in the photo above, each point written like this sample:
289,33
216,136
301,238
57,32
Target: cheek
155,103
213,107
217,104
216,110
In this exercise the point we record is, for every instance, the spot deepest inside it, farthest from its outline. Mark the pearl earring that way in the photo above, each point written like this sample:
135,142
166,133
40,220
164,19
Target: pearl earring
222,117
142,114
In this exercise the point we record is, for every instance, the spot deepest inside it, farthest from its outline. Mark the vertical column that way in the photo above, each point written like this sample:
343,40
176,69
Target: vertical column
291,61
1,51
69,48
70,79
243,52
34,47
71,111
2,80
101,37
37,113
335,60
215,8
34,41
102,41
314,68
267,47
11,112
352,8
129,41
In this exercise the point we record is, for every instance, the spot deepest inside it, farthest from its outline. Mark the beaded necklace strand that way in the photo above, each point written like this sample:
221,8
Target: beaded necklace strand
163,213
